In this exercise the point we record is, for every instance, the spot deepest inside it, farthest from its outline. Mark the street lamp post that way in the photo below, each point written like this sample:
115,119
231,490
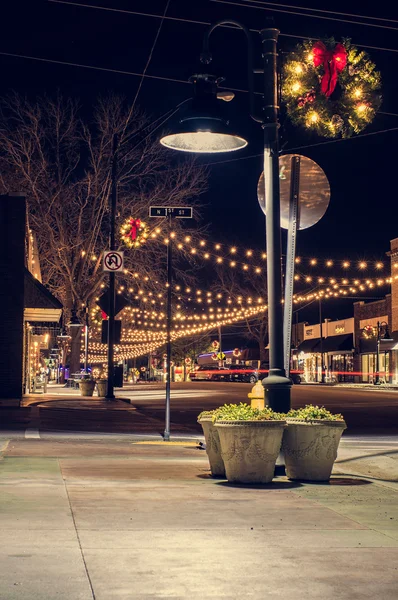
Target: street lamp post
208,133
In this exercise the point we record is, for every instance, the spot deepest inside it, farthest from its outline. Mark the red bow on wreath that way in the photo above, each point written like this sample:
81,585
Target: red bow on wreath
333,62
135,225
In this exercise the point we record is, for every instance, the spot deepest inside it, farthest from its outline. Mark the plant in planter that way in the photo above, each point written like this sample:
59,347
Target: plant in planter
250,441
310,442
101,386
87,385
213,447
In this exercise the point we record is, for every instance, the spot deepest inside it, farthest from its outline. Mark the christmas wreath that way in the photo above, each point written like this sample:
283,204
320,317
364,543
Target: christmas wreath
134,232
368,331
331,88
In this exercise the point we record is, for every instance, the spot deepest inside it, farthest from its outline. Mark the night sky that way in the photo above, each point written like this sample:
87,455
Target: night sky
362,216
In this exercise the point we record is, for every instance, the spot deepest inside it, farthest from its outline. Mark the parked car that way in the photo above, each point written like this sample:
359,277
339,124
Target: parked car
252,375
209,373
242,373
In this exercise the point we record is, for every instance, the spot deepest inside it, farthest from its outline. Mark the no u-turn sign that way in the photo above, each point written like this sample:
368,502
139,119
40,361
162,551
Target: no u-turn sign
113,261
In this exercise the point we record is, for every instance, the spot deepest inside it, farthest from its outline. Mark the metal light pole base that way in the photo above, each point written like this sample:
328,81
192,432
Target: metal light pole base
277,391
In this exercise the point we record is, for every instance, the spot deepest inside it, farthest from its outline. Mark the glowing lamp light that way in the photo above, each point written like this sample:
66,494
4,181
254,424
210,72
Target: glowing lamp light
204,142
310,57
203,129
314,117
298,69
296,86
357,93
361,108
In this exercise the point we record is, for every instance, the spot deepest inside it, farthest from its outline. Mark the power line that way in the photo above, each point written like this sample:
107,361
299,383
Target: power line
71,64
344,139
301,14
219,162
131,73
150,55
330,12
173,80
195,22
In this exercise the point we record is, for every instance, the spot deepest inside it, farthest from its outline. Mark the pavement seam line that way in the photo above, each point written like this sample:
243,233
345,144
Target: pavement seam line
77,533
3,449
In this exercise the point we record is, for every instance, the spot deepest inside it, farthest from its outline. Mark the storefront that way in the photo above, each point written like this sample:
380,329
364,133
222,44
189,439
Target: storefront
42,314
368,359
333,353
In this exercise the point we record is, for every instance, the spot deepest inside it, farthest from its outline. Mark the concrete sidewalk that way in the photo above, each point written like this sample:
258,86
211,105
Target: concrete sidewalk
121,519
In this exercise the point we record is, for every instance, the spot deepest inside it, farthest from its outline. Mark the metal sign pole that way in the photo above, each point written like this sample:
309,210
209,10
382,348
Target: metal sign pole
290,260
169,212
166,435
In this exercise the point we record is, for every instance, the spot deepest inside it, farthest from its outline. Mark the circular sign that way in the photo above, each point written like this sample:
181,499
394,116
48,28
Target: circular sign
113,261
314,191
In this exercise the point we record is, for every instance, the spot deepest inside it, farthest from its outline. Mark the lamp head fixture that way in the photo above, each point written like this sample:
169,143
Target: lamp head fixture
386,336
204,129
64,335
74,320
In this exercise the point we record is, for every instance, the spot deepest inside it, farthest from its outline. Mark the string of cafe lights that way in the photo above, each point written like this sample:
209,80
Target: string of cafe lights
153,318
129,350
234,256
142,342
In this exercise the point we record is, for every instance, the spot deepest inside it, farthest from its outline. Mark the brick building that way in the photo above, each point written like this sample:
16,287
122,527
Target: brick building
24,301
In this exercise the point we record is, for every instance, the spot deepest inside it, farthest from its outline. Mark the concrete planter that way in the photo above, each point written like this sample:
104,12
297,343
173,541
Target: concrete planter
87,387
101,387
310,448
213,447
250,448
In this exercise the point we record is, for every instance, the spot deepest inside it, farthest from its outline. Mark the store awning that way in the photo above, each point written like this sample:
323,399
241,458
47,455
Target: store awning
337,343
40,304
333,343
308,346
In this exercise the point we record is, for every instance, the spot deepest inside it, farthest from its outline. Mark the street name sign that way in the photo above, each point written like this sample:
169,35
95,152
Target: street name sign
113,261
177,212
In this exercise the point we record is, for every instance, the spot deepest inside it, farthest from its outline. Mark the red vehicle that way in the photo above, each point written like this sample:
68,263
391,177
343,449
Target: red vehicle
209,373
234,373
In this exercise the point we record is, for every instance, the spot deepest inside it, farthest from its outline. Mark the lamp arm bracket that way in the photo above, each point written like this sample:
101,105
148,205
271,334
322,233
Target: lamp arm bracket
206,57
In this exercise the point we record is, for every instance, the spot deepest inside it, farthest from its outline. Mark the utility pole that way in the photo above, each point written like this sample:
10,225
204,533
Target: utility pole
86,339
110,395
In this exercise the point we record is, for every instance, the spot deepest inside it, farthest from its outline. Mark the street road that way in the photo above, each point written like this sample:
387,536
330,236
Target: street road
365,410
362,408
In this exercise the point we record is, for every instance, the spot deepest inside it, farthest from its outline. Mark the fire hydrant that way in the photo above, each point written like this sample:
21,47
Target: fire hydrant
257,396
